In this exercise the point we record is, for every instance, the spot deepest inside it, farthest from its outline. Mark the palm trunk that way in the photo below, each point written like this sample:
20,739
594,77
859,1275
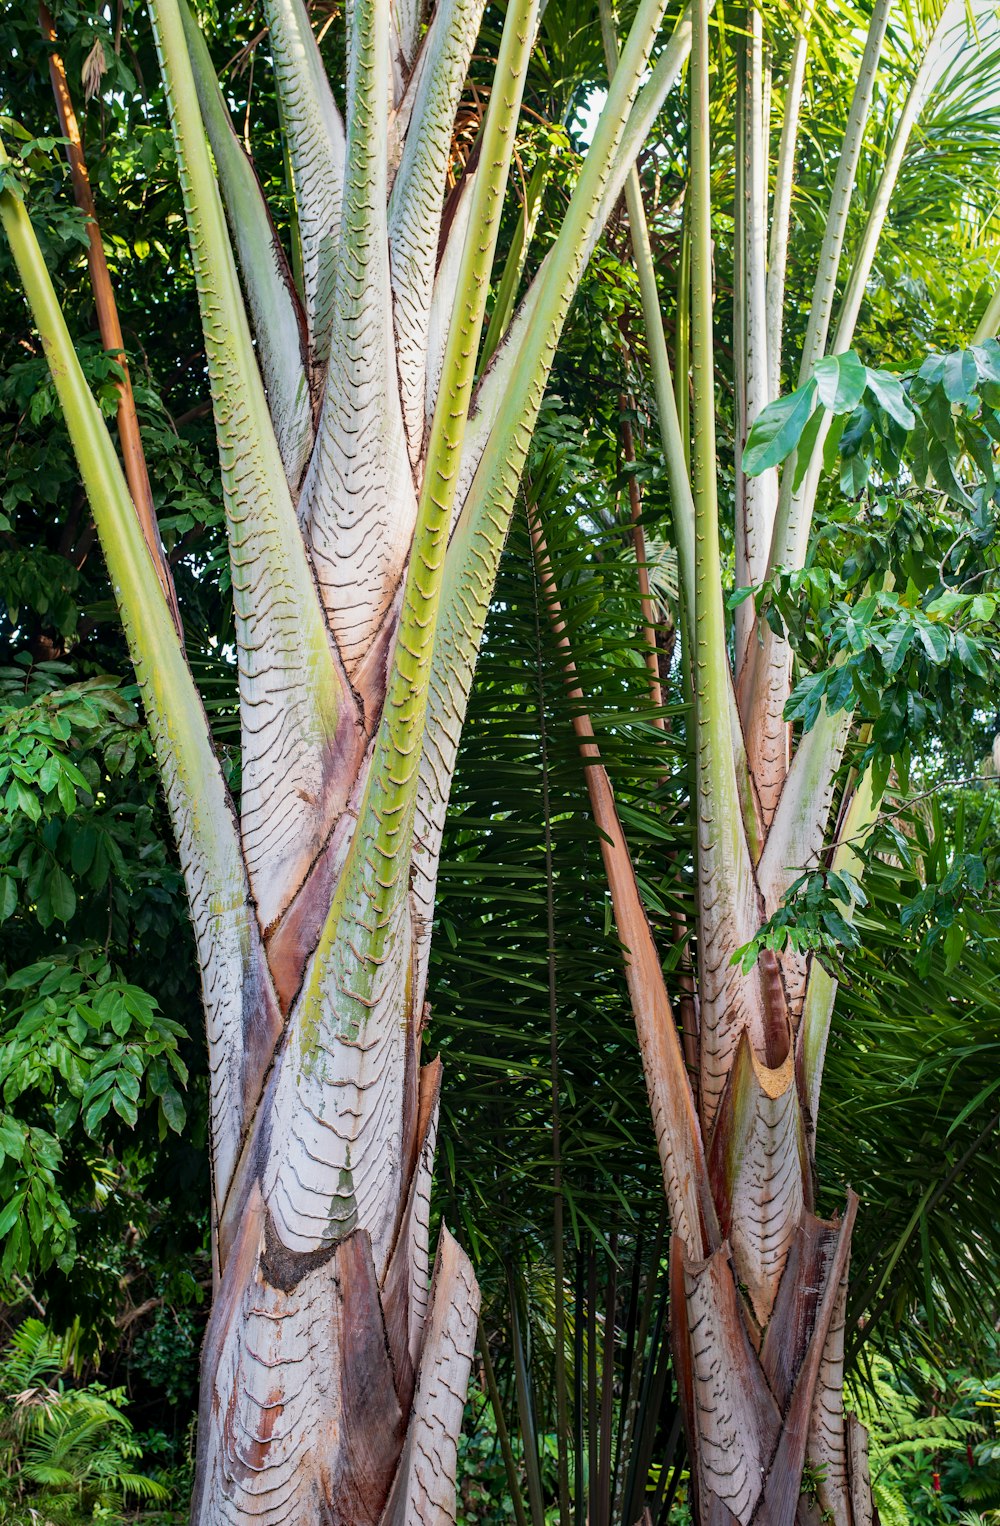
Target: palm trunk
367,499
758,1282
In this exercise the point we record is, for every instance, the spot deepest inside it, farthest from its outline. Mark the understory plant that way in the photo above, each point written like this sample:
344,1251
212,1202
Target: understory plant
68,1452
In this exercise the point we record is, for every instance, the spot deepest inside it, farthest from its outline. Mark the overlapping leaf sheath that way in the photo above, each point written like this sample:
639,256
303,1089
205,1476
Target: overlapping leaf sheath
757,1362
417,196
359,500
279,320
300,731
314,133
241,1014
758,1316
333,1376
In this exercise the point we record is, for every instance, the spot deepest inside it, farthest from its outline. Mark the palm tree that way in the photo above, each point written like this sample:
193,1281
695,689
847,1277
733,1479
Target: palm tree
368,478
758,1280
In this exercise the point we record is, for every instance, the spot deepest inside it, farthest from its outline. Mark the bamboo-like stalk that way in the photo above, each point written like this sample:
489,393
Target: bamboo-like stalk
601,1508
676,443
655,1375
781,208
741,346
593,1455
865,256
858,816
724,871
517,254
989,324
840,200
687,1004
421,595
518,372
604,171
670,1477
630,1395
628,1366
675,450
756,497
274,300
768,681
133,455
682,379
765,682
795,506
579,1392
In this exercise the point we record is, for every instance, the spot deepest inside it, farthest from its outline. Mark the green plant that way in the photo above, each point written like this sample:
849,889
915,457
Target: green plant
900,1435
69,1452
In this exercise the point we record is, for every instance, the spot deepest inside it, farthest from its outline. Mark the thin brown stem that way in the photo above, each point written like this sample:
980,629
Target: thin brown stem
642,568
678,1134
503,1437
133,455
679,928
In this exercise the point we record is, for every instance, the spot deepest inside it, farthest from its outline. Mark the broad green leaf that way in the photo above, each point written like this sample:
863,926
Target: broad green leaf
970,655
29,976
840,690
840,382
120,1017
959,376
173,1109
82,848
854,473
10,1213
945,605
889,392
934,641
48,774
778,429
62,896
806,699
12,1138
943,471
807,442
987,357
125,1107
96,1112
831,445
896,646
64,1115
128,1085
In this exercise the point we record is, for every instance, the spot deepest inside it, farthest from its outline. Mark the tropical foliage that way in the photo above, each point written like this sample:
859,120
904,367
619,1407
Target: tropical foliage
546,1171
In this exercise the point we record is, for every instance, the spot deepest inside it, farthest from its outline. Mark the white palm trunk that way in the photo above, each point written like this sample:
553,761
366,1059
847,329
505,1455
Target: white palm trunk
368,484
